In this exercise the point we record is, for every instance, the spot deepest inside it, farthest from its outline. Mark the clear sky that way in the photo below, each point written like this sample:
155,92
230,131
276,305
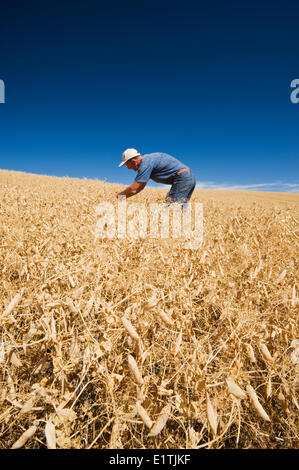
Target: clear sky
207,82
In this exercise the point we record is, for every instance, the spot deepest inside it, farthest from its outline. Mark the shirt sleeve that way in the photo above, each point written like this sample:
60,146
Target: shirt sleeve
144,173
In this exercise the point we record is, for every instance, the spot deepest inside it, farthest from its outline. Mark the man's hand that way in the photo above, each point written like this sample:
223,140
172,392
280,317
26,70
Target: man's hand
131,190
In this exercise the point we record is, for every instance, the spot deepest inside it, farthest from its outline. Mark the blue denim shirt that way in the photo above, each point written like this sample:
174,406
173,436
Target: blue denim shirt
159,167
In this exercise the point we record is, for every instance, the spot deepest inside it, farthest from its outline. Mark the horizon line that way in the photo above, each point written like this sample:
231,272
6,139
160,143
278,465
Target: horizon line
200,185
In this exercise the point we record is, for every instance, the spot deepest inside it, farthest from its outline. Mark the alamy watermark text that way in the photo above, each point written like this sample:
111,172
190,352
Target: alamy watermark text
138,220
295,93
2,92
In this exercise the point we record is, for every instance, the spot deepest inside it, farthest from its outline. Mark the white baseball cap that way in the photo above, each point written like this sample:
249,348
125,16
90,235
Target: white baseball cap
128,154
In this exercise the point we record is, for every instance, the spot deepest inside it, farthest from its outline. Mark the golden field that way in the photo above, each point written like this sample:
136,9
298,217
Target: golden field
142,344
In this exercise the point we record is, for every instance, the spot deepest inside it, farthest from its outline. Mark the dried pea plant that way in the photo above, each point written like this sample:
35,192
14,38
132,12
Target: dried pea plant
141,343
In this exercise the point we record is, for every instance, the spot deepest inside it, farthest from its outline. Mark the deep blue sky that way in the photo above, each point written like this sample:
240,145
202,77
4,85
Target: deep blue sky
206,82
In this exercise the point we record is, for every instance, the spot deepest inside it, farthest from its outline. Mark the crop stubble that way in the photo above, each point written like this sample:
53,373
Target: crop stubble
142,343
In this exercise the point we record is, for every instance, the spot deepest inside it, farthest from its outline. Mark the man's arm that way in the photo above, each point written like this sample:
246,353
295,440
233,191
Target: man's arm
131,190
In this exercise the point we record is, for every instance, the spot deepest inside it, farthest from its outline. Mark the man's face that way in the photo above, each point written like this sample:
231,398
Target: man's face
133,164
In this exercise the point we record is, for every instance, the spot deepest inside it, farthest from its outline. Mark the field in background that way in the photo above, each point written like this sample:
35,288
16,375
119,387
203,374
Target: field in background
144,344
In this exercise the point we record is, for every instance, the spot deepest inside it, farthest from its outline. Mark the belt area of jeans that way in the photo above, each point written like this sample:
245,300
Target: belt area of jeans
180,171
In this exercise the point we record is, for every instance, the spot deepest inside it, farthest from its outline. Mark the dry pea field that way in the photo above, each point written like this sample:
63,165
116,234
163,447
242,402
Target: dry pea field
142,343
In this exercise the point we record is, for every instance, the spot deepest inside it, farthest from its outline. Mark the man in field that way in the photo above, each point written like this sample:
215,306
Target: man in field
162,168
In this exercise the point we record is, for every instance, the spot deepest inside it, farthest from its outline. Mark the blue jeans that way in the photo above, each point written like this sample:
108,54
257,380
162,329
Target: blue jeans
182,187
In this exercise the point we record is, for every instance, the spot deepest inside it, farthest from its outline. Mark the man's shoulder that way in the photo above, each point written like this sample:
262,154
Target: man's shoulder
157,157
149,158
